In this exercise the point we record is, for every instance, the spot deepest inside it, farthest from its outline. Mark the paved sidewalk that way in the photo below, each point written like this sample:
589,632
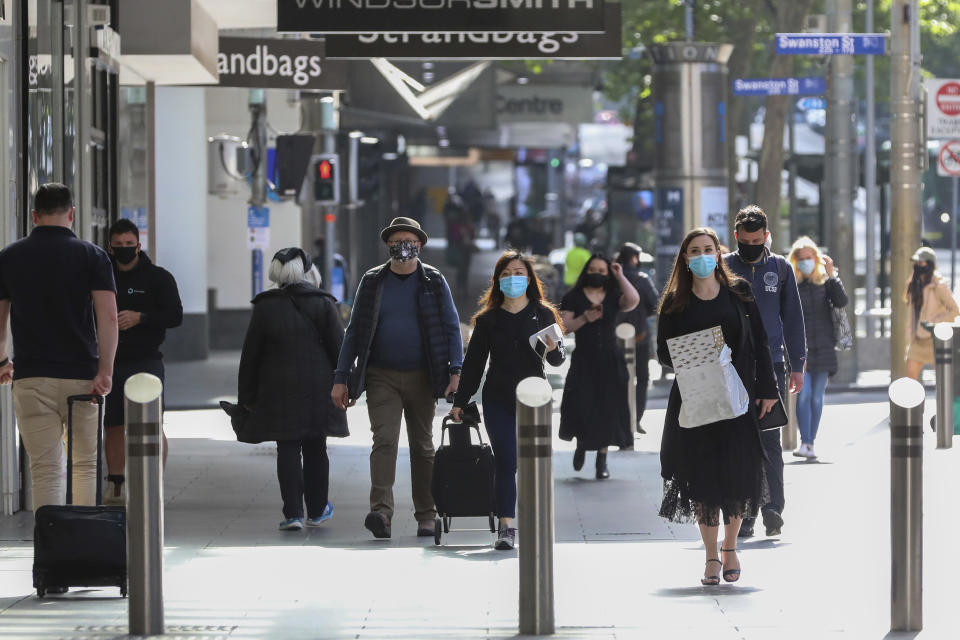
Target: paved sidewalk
621,571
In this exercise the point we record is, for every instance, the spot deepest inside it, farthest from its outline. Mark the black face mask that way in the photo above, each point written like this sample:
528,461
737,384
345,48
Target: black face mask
595,280
124,255
923,270
750,252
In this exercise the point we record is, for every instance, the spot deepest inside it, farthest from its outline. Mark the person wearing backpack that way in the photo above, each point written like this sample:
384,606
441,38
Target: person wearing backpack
775,290
820,291
285,380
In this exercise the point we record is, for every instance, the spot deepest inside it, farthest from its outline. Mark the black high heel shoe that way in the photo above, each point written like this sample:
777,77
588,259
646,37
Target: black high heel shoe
730,575
712,581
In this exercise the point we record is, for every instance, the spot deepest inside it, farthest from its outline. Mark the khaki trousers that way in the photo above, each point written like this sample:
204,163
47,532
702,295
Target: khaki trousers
41,408
390,396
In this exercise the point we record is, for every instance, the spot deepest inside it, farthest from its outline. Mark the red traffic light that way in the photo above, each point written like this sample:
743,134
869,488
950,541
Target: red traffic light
325,170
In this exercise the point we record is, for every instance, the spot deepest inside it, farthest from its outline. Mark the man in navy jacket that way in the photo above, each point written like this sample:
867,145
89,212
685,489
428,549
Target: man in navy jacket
775,289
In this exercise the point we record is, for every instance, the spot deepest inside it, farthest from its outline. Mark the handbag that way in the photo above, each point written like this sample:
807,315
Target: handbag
774,419
710,387
842,335
240,421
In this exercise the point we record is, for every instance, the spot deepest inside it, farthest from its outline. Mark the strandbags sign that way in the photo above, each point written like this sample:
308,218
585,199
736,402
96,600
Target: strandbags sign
483,46
278,64
426,16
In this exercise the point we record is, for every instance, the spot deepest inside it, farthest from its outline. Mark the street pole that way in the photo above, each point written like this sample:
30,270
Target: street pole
905,163
943,361
953,237
840,146
258,181
626,333
331,122
688,19
870,181
791,225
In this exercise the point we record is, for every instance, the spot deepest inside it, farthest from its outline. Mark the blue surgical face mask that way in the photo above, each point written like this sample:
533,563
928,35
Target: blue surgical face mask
703,266
807,266
513,286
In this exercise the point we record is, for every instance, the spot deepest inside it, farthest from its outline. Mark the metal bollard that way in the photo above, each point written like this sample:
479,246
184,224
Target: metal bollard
943,357
788,434
906,504
626,333
144,473
535,503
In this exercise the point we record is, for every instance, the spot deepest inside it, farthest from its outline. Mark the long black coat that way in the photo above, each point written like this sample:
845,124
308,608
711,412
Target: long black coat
816,300
751,359
286,368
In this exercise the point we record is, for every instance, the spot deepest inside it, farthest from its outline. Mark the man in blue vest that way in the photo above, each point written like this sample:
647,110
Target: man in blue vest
775,289
403,347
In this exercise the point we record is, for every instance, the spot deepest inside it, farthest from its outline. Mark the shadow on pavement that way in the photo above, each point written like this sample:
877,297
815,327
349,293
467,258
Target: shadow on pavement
695,591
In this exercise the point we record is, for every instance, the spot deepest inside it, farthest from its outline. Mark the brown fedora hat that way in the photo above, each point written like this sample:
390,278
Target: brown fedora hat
404,224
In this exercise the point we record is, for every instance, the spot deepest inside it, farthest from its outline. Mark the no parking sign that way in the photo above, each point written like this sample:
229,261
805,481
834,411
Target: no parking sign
948,160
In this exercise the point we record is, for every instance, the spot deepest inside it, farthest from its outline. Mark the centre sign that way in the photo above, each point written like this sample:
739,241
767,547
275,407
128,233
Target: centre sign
429,16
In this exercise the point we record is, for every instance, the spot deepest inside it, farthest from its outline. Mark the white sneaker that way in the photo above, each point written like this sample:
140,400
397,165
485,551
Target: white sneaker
801,451
810,454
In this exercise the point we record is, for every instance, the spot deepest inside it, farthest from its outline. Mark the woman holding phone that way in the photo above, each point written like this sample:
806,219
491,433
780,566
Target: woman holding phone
511,310
595,409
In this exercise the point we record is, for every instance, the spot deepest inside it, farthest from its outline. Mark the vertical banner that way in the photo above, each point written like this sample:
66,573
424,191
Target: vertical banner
713,211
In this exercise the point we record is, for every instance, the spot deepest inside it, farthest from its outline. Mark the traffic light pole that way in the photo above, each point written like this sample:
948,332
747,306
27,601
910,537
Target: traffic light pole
319,117
258,181
331,122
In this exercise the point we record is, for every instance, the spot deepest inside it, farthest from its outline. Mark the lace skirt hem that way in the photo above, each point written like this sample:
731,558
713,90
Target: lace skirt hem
680,506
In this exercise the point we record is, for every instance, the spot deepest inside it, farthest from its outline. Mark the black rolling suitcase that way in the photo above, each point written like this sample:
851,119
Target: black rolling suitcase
463,476
79,546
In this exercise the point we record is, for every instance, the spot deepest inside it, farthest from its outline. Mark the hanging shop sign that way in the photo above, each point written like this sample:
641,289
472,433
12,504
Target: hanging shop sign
483,46
427,16
278,64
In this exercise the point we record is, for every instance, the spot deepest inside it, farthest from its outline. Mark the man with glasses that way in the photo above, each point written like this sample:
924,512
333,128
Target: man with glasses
403,347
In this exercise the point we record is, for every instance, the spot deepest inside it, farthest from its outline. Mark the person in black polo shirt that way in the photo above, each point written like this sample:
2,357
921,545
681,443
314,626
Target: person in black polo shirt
149,304
58,293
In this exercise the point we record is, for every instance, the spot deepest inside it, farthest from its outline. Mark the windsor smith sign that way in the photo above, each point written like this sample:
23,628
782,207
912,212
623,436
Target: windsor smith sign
426,16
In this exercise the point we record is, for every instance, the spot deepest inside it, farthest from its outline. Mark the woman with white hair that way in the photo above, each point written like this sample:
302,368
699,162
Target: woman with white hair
285,379
820,289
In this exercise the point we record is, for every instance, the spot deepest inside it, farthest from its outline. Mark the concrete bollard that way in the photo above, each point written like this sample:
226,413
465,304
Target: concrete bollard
144,473
535,504
943,357
906,505
626,333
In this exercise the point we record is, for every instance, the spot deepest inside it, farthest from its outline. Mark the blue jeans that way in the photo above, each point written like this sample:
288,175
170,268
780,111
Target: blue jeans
810,404
501,423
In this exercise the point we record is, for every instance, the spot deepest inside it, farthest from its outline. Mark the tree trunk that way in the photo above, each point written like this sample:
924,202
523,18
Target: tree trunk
788,19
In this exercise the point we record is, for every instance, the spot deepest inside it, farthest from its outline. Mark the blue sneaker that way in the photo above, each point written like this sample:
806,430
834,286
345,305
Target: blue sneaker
291,524
323,517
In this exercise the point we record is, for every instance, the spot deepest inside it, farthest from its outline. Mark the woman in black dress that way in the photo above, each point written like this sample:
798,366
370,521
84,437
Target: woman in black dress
512,310
716,467
595,409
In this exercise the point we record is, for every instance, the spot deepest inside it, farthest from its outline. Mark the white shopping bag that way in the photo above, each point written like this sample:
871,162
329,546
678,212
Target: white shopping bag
709,385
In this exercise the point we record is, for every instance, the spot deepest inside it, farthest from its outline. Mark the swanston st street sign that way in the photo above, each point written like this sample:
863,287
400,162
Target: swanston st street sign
426,16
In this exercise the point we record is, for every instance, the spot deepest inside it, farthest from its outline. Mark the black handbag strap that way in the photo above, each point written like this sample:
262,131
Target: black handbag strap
303,313
70,401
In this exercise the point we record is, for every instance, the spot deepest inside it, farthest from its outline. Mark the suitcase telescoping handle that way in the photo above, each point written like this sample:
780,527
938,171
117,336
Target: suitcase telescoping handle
86,397
448,420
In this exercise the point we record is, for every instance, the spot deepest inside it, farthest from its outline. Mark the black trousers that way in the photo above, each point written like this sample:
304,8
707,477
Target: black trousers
643,377
306,480
773,464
